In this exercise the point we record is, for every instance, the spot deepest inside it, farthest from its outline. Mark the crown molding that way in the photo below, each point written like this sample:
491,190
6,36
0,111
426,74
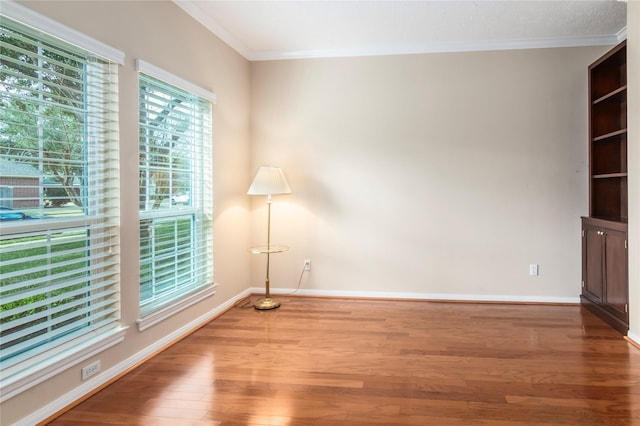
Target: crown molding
437,47
466,46
218,30
622,34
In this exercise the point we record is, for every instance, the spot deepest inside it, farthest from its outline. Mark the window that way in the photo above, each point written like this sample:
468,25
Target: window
59,215
176,208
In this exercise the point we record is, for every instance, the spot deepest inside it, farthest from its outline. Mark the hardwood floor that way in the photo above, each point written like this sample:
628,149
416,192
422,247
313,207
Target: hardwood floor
321,361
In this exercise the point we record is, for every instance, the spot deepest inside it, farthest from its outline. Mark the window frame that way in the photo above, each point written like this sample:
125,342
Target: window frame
155,314
30,371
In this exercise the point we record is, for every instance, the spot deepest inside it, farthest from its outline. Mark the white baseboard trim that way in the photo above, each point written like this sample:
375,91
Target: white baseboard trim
634,338
113,372
421,296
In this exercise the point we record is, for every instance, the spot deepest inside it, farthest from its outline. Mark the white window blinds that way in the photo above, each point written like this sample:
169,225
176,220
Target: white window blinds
176,247
59,211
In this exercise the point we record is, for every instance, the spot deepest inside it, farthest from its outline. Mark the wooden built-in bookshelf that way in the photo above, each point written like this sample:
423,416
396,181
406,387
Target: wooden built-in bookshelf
605,288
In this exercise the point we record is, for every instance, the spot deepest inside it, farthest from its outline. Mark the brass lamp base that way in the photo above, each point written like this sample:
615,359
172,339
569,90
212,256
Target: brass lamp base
266,303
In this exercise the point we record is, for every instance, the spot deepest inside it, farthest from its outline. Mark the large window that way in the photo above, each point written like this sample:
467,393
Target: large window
59,215
176,254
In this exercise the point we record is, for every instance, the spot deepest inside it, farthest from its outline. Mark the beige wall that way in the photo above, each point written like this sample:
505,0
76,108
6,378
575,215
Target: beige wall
439,175
423,175
163,35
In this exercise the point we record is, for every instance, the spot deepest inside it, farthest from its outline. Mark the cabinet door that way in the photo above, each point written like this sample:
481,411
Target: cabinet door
592,256
616,295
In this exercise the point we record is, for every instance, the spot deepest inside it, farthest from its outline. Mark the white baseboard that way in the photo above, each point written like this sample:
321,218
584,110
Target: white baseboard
421,296
634,338
113,372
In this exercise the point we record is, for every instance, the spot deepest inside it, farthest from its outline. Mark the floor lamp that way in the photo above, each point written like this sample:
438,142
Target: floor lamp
268,181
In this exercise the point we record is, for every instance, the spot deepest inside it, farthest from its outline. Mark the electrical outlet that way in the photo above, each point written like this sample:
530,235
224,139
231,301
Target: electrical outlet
90,370
533,269
307,264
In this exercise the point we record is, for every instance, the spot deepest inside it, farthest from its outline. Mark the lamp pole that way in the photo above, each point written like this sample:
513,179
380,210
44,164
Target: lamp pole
266,284
267,302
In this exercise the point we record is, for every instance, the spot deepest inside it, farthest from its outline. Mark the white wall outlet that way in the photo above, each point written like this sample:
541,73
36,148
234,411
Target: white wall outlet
90,370
533,269
307,264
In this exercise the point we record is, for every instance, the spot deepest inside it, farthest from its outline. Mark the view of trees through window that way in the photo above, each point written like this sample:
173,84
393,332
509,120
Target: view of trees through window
43,120
59,194
165,157
174,167
57,257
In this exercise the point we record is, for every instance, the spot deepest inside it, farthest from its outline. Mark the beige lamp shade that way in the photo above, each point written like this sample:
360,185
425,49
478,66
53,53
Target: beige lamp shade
269,180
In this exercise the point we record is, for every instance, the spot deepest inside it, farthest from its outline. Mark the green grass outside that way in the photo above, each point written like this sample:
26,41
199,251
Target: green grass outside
56,249
51,259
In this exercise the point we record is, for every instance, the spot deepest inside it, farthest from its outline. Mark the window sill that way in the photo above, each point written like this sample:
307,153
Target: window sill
56,364
153,318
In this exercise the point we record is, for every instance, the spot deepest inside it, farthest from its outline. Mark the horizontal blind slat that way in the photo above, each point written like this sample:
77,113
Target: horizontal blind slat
106,287
62,334
87,304
55,282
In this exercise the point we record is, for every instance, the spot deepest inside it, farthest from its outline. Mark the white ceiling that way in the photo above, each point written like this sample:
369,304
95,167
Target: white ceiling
267,29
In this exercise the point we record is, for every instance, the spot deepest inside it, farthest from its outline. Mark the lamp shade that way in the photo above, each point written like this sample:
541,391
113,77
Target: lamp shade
269,181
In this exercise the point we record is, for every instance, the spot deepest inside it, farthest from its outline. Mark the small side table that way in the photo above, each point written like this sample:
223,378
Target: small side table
267,302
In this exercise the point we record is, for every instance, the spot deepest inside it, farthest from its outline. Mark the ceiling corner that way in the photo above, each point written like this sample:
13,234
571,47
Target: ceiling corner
196,12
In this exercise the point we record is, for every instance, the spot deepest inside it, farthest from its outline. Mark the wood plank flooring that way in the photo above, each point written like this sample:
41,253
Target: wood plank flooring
317,361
